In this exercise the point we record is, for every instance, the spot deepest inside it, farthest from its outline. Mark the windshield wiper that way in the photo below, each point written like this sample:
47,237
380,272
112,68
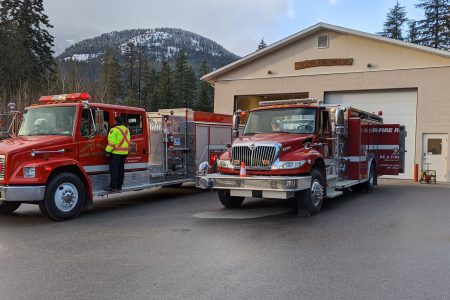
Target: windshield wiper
250,133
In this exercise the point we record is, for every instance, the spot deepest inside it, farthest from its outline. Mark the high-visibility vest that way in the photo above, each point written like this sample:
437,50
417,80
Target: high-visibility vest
118,140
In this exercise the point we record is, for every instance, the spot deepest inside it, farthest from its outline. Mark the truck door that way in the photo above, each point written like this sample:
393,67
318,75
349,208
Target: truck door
389,149
91,151
325,134
137,155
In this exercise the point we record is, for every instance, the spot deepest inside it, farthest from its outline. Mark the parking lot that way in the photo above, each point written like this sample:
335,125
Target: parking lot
181,244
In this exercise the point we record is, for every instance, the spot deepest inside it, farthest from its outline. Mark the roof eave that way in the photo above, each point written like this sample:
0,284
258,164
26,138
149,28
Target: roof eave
211,77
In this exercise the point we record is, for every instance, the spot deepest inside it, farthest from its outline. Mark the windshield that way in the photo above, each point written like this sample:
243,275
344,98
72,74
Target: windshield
292,120
48,121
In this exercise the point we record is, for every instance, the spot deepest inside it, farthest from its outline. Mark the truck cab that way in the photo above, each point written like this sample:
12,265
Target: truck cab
61,143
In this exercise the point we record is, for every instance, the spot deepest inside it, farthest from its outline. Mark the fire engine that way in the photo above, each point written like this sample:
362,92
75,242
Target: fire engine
58,158
305,151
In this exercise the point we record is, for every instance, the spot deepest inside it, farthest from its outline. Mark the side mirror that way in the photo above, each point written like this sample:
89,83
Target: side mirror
236,121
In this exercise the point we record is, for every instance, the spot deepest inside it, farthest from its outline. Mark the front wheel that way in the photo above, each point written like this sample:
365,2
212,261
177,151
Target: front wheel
7,208
229,201
64,197
309,202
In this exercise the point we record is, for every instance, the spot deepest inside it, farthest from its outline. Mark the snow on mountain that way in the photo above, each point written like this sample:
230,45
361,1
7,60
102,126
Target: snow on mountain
156,45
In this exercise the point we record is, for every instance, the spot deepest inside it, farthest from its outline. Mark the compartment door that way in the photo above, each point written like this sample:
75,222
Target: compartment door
389,146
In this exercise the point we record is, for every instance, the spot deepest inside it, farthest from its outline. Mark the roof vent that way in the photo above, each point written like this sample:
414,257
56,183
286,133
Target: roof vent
322,41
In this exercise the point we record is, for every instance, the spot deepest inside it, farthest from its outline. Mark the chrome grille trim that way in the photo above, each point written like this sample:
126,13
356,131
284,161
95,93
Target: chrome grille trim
255,158
2,166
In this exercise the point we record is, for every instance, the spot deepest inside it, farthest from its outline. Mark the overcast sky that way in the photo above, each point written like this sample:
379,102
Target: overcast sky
238,25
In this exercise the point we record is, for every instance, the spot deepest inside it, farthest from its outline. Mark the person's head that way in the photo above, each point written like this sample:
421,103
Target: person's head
275,124
119,120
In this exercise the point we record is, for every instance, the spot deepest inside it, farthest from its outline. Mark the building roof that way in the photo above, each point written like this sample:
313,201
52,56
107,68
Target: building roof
212,76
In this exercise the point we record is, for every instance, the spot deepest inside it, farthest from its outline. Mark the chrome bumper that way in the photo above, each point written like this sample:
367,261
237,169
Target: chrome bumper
22,193
255,186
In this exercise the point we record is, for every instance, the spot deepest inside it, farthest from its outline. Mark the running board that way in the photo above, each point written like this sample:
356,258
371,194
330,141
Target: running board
331,193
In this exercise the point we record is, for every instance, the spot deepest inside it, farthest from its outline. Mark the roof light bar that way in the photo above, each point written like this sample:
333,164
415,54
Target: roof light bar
291,101
65,97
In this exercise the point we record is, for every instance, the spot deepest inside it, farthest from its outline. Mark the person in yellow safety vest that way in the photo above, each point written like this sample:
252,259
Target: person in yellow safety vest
117,151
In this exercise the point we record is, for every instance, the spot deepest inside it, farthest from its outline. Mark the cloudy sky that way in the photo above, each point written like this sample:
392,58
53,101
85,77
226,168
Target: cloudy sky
238,25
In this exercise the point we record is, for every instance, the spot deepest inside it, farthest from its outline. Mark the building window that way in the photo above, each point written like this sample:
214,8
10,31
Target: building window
322,41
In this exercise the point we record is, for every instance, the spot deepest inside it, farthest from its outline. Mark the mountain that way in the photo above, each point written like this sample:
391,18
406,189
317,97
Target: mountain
155,45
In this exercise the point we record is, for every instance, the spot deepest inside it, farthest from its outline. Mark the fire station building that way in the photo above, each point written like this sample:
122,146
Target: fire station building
408,83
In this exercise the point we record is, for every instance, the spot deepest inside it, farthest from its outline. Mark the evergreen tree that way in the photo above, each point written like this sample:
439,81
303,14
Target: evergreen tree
131,82
413,32
434,30
179,80
395,20
205,91
262,44
149,90
165,94
110,87
190,88
27,58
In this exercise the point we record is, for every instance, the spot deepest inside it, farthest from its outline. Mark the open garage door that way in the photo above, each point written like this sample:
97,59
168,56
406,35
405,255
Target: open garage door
398,107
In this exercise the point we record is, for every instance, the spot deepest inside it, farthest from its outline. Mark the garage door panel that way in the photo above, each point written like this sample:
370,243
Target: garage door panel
398,107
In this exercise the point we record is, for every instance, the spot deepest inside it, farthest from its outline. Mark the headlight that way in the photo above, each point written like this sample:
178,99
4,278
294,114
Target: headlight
29,171
288,164
225,164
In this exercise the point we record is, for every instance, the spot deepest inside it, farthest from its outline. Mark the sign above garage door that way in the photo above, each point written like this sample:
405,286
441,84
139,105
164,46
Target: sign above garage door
328,62
398,107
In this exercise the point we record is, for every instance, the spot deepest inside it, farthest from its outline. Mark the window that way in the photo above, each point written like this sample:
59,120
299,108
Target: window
134,123
105,128
48,121
322,41
86,127
434,146
298,120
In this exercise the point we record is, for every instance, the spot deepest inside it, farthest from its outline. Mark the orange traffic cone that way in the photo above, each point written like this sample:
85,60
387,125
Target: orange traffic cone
243,172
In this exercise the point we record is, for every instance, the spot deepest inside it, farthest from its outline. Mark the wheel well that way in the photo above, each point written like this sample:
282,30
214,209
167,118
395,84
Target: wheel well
74,170
320,165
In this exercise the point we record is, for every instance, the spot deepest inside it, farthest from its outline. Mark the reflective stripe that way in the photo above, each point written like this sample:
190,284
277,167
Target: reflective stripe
358,158
124,137
380,147
105,168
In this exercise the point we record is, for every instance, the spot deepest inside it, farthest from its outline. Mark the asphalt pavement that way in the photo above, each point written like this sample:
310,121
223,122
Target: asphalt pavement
393,243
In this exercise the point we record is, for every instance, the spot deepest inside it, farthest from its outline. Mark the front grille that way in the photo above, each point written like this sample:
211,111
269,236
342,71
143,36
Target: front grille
2,166
261,157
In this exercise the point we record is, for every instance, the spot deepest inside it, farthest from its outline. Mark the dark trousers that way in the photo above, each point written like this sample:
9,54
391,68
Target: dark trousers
117,170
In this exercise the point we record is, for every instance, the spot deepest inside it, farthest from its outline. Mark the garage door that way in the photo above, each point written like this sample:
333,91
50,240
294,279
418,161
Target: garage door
398,107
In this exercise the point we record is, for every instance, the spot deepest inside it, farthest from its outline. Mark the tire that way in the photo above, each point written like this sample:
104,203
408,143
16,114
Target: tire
368,186
7,208
64,197
229,201
309,202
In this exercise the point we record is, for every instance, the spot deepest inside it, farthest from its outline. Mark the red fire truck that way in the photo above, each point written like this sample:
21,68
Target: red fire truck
305,151
58,158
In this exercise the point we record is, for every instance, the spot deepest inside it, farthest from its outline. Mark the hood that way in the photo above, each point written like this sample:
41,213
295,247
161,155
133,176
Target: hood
284,139
25,143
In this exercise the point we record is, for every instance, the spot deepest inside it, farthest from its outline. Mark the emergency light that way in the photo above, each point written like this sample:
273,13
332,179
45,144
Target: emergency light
290,101
65,97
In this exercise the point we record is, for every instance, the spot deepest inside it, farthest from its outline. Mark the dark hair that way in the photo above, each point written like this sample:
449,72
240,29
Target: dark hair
119,120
